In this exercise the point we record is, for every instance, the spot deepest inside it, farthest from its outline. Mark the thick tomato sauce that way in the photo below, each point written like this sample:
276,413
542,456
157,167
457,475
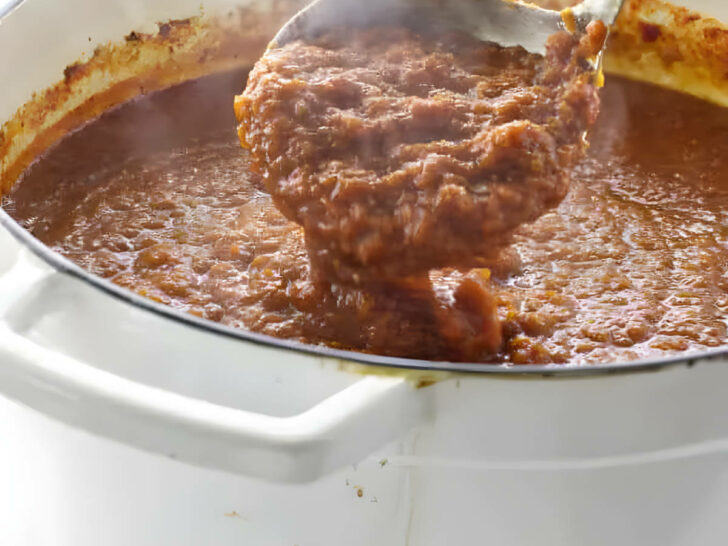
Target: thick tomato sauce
631,264
400,152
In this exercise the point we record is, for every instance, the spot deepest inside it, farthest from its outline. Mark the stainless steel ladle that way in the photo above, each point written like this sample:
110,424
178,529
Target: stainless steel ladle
505,22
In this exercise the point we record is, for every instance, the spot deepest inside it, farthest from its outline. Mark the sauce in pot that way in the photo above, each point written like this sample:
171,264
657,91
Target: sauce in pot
631,264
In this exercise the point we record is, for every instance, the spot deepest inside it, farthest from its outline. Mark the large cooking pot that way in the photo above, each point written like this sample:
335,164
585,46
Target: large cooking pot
123,422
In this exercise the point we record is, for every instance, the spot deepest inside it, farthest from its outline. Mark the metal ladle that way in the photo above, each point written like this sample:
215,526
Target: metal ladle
505,22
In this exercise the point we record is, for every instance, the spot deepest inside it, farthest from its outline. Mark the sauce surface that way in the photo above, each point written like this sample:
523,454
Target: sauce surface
631,264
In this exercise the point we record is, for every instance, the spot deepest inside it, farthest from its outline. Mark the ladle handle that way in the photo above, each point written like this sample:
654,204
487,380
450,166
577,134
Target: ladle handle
603,10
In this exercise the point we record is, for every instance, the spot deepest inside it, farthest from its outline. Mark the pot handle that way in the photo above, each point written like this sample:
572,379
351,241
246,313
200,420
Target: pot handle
340,430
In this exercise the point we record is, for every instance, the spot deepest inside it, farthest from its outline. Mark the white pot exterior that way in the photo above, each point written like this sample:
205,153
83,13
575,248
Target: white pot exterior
505,465
188,438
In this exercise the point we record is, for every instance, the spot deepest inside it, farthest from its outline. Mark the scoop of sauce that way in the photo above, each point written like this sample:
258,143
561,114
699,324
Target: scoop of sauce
631,264
400,152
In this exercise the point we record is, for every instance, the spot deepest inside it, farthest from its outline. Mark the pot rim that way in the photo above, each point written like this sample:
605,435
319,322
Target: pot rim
66,266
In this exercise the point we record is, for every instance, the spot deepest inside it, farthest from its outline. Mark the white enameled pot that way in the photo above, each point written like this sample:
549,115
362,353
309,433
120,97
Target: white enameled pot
121,425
